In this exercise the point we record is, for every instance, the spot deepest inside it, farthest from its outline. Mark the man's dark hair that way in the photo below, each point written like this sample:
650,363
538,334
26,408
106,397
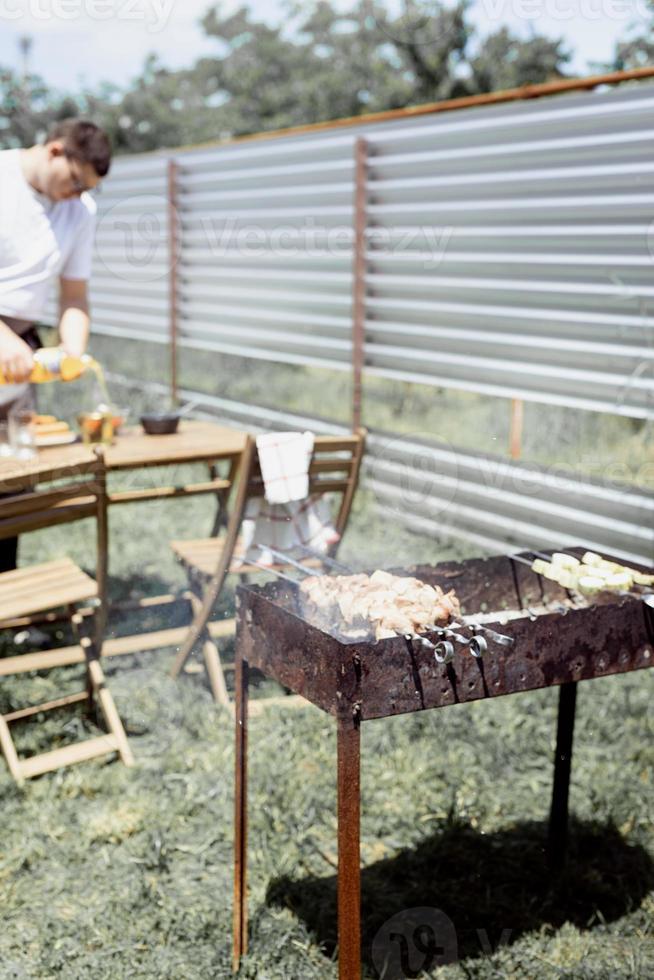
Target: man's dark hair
84,141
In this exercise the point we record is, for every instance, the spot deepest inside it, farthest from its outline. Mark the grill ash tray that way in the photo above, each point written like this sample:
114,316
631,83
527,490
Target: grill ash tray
554,642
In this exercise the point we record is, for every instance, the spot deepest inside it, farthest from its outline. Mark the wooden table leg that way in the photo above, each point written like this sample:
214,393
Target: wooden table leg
240,926
349,870
558,828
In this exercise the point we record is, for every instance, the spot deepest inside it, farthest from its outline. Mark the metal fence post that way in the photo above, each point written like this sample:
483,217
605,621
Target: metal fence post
358,277
173,245
517,421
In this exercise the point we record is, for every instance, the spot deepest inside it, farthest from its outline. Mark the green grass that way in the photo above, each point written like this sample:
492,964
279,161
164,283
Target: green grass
113,873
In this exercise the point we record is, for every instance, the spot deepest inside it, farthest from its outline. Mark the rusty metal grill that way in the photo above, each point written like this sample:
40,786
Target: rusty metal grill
554,642
545,637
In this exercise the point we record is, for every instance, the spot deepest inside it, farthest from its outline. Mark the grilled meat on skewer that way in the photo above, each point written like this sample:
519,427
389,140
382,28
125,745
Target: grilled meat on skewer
391,604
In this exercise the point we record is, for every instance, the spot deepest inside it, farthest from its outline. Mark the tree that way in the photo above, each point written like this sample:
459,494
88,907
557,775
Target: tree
161,108
331,63
636,50
505,61
25,110
323,62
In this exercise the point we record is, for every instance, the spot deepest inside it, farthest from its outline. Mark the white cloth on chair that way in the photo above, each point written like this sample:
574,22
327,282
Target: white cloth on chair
289,528
288,520
284,459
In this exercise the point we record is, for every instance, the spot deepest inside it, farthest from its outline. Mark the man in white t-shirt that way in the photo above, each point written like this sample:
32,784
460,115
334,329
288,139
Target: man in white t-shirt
47,223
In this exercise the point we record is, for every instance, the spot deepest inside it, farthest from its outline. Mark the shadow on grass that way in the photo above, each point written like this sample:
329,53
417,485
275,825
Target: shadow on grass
123,588
129,619
122,622
471,892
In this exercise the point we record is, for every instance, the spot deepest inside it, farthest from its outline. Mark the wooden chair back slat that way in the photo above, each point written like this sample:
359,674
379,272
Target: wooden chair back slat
331,465
83,482
335,444
62,513
40,500
325,485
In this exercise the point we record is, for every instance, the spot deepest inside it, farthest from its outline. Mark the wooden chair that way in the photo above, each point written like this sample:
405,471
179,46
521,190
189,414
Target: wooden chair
334,469
28,594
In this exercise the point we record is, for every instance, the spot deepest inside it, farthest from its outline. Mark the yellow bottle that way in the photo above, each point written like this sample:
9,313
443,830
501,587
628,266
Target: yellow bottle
54,364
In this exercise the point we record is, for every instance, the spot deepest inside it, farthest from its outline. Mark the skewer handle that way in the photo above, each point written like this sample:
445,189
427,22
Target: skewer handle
478,647
500,638
444,652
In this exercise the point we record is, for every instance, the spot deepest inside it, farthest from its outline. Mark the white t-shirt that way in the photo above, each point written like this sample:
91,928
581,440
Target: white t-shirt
40,240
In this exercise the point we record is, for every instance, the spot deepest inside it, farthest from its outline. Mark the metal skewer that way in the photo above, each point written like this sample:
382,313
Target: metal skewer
326,559
444,649
499,638
272,571
287,560
521,560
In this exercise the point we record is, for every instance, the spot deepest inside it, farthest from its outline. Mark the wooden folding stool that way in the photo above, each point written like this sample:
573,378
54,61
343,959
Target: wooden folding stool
27,594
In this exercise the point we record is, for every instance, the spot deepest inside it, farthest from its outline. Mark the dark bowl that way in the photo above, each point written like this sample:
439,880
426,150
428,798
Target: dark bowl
160,423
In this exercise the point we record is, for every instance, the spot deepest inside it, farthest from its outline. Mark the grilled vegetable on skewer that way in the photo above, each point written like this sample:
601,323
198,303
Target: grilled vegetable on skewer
596,561
589,576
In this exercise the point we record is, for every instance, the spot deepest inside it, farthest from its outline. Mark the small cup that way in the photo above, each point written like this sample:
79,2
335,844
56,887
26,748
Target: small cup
96,427
21,434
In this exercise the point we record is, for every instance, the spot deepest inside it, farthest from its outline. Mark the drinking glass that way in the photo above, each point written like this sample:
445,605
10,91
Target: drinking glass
5,443
21,434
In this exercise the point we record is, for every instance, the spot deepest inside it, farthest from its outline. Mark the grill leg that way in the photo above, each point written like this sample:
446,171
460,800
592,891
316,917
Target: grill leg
349,872
240,926
558,828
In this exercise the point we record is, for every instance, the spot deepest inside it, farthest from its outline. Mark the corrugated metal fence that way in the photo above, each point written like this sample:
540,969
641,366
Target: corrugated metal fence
509,251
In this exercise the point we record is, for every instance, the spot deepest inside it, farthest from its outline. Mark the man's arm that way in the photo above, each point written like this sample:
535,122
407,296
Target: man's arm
74,320
16,360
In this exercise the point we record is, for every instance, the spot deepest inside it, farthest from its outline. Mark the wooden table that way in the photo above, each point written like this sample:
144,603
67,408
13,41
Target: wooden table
194,442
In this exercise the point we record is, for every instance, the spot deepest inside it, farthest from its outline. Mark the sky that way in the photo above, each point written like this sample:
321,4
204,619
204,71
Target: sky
79,42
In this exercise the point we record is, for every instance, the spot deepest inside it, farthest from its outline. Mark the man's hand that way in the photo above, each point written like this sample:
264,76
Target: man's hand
16,358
